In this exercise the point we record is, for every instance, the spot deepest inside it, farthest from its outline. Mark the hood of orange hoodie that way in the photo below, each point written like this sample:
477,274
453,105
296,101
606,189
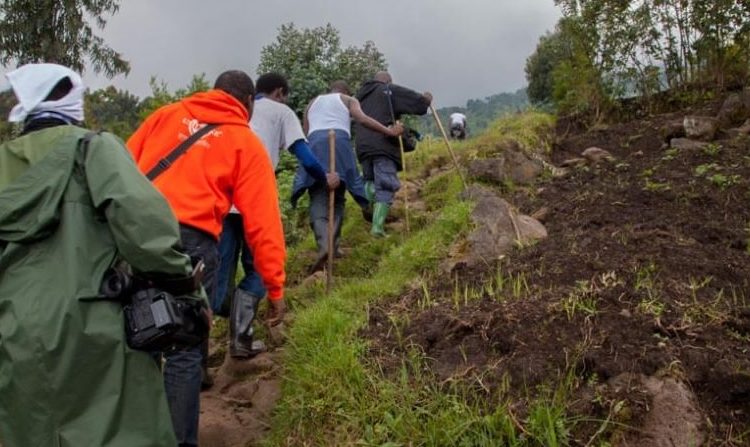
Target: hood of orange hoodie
216,106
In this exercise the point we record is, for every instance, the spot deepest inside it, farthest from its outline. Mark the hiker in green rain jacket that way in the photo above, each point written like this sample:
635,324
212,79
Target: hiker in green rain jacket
67,376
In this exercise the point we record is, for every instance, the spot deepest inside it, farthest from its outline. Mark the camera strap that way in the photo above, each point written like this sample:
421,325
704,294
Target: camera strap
178,152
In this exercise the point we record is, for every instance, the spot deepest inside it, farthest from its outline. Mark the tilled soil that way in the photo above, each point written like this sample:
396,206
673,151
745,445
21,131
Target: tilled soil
644,274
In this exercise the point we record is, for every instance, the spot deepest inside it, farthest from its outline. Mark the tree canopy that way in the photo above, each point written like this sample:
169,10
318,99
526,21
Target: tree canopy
59,32
605,49
312,58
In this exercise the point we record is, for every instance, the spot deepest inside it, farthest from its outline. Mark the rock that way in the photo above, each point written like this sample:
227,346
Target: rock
512,165
495,226
522,169
673,419
531,229
673,129
685,144
701,127
596,155
573,162
735,109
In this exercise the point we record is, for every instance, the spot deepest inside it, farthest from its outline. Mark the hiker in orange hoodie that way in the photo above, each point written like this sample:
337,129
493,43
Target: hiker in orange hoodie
227,164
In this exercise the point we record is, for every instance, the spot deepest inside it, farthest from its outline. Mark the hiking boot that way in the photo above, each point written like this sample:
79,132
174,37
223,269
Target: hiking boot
380,212
244,309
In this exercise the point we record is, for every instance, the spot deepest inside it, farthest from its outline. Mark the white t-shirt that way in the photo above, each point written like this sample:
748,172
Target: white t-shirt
458,118
276,125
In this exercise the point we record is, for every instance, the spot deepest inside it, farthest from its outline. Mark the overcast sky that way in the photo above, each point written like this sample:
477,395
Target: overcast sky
458,50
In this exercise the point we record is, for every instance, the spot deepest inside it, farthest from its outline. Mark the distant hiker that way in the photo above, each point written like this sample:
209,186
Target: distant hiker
68,211
334,110
458,125
279,129
226,165
380,155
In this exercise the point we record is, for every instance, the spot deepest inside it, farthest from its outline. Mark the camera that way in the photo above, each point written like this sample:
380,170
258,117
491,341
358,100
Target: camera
155,319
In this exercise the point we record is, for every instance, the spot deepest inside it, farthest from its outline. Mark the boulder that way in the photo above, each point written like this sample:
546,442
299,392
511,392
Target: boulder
521,168
497,227
735,109
672,129
701,127
512,166
673,418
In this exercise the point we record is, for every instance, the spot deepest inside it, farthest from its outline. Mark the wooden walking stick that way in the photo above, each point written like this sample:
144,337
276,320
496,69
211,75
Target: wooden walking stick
406,190
331,205
389,93
448,143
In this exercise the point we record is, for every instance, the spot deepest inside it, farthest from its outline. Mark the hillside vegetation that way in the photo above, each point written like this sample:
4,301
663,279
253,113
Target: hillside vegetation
627,325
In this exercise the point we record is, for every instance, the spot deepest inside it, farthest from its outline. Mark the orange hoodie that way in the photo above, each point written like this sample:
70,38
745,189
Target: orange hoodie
228,165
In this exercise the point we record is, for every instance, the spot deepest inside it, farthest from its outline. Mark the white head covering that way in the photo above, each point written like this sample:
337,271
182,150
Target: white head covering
32,83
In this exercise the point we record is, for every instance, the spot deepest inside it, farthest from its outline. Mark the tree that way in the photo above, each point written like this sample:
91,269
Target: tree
540,65
59,32
114,110
313,58
160,94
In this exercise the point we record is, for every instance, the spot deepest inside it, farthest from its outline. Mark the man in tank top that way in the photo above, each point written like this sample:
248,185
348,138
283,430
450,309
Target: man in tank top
334,110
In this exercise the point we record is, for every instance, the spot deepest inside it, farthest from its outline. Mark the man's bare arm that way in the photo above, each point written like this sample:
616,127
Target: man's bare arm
355,110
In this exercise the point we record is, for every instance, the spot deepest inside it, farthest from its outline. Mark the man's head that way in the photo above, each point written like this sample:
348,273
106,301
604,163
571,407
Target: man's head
274,86
340,87
384,77
46,89
239,85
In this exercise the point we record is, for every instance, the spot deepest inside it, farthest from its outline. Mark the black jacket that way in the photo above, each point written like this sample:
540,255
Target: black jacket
374,102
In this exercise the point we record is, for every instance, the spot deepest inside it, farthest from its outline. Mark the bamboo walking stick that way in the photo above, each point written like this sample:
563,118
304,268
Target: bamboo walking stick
448,143
389,94
331,205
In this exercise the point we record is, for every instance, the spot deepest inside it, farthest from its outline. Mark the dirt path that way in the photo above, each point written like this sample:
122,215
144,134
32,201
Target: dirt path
236,411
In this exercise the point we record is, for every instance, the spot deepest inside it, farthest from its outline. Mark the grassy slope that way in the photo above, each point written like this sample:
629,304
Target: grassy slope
334,395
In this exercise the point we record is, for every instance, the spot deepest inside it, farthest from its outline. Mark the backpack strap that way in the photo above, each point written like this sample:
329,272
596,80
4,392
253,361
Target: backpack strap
178,152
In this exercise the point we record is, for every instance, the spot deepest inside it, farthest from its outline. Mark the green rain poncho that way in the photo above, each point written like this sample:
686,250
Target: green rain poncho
67,377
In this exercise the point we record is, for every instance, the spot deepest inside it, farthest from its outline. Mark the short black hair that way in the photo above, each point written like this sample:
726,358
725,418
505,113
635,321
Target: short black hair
60,90
237,83
341,87
269,82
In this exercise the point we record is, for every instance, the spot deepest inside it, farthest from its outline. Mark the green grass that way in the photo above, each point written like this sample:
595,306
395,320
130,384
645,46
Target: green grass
335,393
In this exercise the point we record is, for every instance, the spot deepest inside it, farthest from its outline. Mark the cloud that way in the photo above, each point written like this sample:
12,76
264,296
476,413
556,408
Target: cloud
458,50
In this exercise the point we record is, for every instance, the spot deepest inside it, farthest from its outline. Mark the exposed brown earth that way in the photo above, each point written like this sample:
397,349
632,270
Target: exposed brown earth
644,275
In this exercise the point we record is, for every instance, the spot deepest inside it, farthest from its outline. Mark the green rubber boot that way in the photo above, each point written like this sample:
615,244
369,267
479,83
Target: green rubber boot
370,191
379,213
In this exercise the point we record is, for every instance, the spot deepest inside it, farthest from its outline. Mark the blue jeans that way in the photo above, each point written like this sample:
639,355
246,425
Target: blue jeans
232,246
182,369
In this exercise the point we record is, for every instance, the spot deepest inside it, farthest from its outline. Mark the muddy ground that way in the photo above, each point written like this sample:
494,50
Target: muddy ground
644,275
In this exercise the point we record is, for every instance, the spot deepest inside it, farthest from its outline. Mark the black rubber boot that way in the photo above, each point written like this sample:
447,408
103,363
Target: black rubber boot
242,314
